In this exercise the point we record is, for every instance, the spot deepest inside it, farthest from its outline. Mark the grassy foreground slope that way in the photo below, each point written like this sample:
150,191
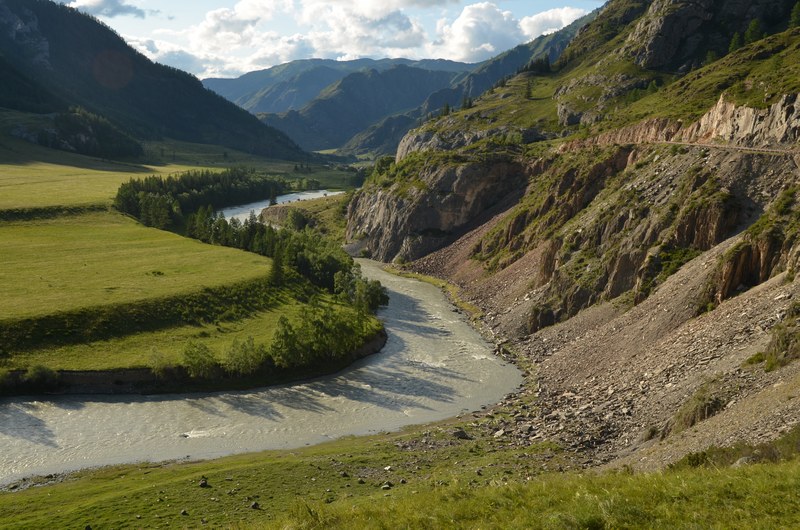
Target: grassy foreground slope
421,479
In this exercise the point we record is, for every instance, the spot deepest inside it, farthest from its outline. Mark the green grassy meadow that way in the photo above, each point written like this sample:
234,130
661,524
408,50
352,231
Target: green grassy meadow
106,258
83,255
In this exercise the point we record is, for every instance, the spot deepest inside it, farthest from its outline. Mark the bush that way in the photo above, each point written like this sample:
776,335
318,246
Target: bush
702,405
40,377
159,364
245,357
784,345
199,361
7,382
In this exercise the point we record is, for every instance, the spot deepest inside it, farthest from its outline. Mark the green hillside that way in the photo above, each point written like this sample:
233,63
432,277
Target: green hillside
83,62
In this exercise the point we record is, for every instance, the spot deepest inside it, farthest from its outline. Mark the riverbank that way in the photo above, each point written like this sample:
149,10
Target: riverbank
434,366
176,380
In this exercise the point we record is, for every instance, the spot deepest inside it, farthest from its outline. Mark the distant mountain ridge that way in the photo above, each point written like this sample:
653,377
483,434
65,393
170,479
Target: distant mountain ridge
355,102
292,85
295,98
70,58
383,137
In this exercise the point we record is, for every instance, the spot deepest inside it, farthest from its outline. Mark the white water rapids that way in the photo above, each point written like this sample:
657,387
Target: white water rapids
434,366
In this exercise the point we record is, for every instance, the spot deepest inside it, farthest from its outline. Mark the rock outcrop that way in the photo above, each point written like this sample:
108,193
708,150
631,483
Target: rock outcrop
777,125
675,33
393,224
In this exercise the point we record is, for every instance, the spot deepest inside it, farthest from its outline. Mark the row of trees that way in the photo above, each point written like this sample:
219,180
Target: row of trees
304,251
176,200
321,336
162,202
324,333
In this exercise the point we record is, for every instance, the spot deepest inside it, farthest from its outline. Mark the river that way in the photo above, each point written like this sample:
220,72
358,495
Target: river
242,212
434,366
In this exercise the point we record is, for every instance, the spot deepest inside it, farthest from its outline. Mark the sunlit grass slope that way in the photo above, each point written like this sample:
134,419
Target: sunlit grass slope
105,258
424,479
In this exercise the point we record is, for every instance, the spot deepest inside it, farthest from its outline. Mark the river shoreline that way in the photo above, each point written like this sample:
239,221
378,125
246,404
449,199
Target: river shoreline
142,381
434,366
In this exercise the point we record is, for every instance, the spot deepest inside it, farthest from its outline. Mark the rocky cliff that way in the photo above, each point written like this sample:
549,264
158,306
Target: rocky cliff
641,259
408,222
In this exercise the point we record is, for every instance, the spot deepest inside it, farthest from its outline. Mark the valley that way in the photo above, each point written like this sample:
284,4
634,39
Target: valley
587,310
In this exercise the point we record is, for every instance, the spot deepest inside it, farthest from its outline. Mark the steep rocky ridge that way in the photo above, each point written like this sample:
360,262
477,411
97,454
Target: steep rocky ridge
642,264
405,225
675,33
384,137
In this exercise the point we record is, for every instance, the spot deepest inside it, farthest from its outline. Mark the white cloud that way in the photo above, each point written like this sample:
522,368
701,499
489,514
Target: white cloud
257,34
480,32
550,21
108,8
342,30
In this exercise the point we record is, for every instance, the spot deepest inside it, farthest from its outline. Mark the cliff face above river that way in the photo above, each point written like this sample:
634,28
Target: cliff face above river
672,208
405,224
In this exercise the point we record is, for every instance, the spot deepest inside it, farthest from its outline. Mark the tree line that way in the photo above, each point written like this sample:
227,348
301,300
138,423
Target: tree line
163,202
176,200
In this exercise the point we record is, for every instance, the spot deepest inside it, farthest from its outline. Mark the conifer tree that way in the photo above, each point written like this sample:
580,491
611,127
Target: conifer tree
754,32
736,42
794,18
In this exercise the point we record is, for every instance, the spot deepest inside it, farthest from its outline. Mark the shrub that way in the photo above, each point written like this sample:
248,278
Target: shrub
200,361
702,405
159,364
784,346
7,382
245,357
40,377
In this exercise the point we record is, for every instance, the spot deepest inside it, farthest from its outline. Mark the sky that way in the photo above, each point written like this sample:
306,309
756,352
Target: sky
226,38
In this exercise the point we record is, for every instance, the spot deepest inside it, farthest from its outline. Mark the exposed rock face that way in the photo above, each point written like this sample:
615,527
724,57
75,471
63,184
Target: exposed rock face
649,131
24,31
745,126
407,225
776,126
417,141
673,32
669,30
576,94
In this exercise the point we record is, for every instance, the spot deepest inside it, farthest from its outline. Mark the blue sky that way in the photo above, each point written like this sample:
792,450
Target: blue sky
225,38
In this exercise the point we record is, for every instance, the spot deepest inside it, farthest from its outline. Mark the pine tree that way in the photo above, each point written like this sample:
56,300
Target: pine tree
736,42
794,18
276,272
754,32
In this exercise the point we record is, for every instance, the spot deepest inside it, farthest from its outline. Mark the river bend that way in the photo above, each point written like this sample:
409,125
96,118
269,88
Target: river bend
434,366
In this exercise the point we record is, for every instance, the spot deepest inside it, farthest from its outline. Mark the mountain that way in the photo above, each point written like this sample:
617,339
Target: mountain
383,137
355,102
22,93
65,56
628,224
292,85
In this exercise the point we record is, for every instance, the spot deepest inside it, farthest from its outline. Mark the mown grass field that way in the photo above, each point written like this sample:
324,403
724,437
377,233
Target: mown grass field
162,347
106,258
165,347
34,177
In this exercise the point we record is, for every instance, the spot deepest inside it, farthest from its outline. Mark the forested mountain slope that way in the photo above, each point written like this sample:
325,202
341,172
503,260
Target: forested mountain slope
383,137
80,61
355,102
